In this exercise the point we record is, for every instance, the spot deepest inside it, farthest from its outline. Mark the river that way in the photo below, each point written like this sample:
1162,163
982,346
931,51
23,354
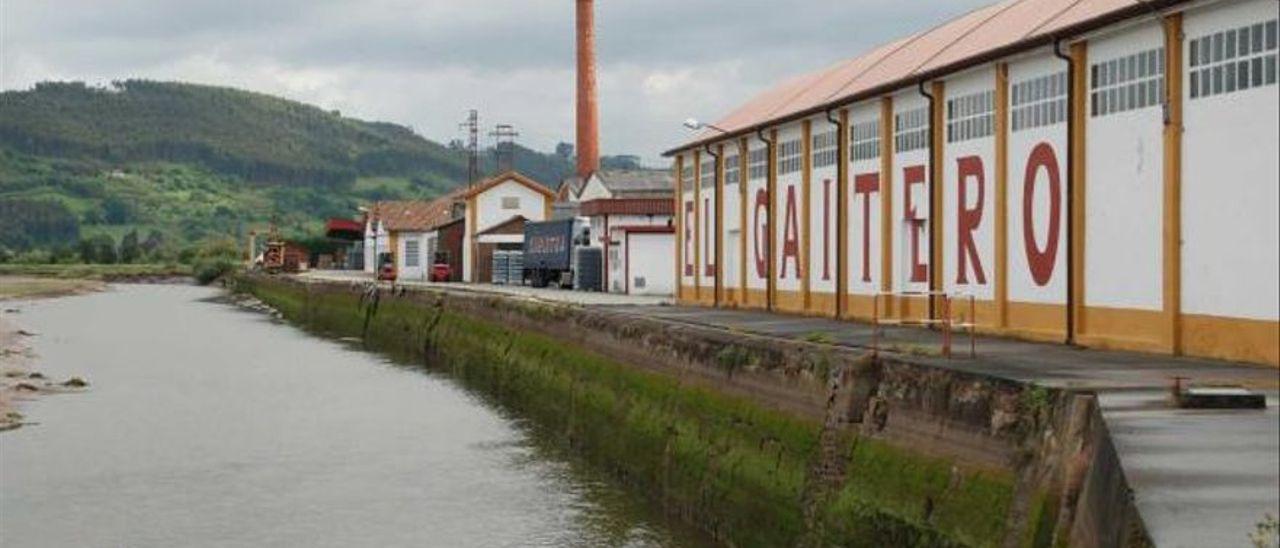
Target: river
207,425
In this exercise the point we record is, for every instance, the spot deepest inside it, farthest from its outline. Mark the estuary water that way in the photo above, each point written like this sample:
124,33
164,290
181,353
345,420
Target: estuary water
207,425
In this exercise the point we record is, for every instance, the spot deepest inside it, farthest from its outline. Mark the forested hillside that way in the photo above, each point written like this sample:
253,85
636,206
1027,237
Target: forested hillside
168,164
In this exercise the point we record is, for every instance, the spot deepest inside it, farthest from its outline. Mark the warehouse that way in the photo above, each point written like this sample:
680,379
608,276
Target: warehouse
1101,172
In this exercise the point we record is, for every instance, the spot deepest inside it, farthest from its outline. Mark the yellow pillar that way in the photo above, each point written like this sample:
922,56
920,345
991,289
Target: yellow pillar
1002,198
1173,183
842,215
743,153
719,238
938,123
886,203
773,218
806,167
697,226
678,202
1079,119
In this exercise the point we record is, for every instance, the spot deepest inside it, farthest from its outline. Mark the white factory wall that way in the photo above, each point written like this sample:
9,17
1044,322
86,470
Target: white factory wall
910,219
688,222
823,203
1226,191
732,224
707,224
1124,152
786,236
969,186
1230,260
1037,179
864,197
757,229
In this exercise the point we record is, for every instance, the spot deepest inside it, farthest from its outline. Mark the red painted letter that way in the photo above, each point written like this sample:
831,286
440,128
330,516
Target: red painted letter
912,176
1041,261
826,229
866,184
708,260
791,229
968,219
762,235
688,239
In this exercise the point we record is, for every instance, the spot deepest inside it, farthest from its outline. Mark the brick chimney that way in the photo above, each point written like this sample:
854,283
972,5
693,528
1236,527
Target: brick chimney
588,131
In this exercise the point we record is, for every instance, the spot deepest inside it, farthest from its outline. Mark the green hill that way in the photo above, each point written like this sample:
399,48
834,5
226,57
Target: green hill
176,163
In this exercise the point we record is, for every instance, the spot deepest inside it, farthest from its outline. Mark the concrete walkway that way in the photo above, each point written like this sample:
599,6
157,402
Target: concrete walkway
1200,478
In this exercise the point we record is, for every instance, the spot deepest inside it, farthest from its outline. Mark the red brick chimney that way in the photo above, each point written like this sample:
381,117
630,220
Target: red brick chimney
588,131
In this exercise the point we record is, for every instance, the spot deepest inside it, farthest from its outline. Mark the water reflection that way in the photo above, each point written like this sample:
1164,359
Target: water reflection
208,425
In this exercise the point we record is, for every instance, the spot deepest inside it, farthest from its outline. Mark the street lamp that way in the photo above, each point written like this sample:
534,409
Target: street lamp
694,125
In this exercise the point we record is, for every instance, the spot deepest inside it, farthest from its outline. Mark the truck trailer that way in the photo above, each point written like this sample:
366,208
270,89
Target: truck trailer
549,250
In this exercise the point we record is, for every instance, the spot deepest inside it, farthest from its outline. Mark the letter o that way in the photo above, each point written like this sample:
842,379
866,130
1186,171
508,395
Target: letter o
1041,261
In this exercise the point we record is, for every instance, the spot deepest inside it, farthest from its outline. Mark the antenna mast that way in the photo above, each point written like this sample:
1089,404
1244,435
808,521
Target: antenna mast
472,126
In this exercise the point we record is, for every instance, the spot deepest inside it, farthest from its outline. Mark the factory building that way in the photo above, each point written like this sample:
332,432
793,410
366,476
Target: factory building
1102,172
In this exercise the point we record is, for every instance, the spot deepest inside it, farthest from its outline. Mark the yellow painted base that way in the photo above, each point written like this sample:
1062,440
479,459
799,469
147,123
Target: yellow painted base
1122,329
1237,339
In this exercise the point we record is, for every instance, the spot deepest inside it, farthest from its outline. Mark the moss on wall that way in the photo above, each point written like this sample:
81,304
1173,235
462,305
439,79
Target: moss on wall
738,470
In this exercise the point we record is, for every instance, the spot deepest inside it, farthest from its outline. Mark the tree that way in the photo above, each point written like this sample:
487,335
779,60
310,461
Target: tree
116,211
154,240
130,251
100,249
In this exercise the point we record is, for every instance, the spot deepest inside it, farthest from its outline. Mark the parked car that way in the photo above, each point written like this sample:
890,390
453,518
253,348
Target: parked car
440,272
387,268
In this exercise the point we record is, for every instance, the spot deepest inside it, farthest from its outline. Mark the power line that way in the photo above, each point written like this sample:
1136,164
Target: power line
472,126
504,145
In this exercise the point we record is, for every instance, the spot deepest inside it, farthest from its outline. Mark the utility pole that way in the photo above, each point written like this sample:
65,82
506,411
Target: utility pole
472,126
504,146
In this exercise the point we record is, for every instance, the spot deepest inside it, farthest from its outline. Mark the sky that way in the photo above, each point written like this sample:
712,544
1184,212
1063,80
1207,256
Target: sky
424,63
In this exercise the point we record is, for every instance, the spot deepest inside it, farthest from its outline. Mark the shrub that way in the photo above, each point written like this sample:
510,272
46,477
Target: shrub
207,271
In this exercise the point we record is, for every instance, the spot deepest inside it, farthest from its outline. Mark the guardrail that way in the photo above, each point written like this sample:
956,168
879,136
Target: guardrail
946,321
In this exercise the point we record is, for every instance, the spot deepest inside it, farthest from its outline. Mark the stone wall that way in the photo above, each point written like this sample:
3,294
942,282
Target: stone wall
892,451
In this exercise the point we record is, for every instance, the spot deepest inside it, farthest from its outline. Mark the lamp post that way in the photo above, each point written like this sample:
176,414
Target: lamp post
695,125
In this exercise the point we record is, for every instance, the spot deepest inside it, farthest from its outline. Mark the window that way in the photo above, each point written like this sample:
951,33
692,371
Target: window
732,170
865,139
911,130
789,157
510,202
1039,102
971,116
686,174
758,163
708,170
1127,83
824,148
412,253
1233,60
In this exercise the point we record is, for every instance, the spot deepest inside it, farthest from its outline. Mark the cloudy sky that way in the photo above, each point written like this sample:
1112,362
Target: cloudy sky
423,63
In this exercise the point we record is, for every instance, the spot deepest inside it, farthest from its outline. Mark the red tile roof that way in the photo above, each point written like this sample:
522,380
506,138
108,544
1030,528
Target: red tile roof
978,36
627,206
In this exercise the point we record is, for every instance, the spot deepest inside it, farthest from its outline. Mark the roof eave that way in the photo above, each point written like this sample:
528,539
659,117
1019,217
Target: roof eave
1083,27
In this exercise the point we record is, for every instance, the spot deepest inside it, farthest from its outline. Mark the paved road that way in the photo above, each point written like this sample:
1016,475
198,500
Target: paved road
541,294
1200,478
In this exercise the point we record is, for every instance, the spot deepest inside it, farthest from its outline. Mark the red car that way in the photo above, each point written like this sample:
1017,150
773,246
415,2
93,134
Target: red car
387,273
440,272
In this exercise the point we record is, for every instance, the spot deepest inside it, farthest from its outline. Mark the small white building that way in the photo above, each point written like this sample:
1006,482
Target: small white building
631,214
499,200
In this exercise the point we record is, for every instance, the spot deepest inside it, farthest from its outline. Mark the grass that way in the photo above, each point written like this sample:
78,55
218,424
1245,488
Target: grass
735,469
95,271
29,288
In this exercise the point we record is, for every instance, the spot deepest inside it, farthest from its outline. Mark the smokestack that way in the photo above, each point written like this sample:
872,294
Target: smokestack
588,130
